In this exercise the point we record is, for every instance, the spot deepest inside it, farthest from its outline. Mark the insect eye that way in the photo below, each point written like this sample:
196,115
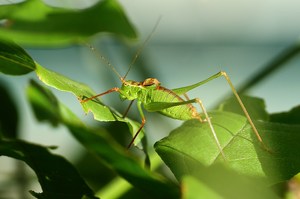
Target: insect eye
125,84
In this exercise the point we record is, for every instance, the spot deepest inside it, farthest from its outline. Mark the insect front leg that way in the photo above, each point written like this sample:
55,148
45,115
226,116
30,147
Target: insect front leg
116,89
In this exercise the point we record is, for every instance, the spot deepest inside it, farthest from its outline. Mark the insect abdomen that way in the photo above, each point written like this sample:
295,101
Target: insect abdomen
180,112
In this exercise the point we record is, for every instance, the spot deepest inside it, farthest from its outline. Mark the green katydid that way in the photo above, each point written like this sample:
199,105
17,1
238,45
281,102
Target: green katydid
153,97
156,98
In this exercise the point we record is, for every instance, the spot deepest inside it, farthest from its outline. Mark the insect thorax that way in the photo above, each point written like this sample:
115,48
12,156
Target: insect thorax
132,90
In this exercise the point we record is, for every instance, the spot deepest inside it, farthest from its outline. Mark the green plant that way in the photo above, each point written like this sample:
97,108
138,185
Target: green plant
189,151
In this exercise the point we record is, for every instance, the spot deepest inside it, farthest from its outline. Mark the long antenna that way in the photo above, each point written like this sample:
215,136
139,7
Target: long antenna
99,55
141,48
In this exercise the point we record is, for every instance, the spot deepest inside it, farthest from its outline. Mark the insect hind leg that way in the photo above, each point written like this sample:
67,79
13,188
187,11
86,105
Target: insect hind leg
224,74
183,90
207,119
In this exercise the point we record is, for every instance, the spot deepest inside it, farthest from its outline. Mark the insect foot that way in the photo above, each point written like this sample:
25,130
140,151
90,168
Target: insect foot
81,99
206,120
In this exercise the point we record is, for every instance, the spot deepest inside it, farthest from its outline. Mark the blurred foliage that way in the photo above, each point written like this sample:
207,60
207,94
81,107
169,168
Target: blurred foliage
290,117
9,117
57,177
34,23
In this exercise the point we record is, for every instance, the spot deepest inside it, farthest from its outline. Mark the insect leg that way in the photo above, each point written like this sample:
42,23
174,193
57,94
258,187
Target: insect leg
224,74
211,127
185,89
139,105
125,113
106,92
207,118
186,96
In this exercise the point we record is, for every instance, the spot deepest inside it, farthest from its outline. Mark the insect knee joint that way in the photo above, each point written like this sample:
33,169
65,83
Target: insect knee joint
198,100
143,120
223,73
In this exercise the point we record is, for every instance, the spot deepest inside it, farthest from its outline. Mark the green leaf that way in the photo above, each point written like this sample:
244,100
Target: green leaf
43,103
193,142
34,23
218,182
14,60
196,189
57,177
255,106
100,111
103,146
9,115
80,90
290,117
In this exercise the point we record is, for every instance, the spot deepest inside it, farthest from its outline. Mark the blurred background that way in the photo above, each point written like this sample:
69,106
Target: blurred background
194,40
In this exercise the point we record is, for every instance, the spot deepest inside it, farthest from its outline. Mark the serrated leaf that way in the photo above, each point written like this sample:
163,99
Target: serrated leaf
193,141
14,60
32,22
57,177
100,111
103,146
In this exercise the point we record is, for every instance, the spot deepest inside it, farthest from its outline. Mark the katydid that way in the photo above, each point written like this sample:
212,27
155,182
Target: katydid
153,97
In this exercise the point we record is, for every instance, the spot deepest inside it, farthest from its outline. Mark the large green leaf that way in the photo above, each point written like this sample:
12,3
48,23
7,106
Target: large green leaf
35,23
100,143
99,110
193,142
14,60
57,177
